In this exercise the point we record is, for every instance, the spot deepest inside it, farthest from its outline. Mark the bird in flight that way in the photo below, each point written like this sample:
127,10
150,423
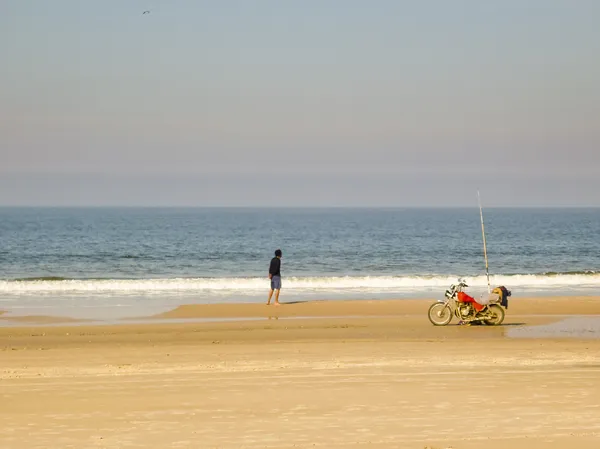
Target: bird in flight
145,12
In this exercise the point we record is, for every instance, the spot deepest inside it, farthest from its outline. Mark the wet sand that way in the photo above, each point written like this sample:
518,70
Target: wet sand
316,374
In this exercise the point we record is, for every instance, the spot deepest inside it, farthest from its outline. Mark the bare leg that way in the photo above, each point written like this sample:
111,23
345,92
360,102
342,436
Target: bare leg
270,295
276,297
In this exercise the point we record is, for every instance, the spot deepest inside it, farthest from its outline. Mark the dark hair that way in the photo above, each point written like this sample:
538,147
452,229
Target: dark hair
278,253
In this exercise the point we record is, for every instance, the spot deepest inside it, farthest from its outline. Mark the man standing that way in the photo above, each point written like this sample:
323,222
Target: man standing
275,276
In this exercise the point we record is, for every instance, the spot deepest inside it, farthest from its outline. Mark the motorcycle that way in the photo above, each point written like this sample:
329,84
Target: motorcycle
464,307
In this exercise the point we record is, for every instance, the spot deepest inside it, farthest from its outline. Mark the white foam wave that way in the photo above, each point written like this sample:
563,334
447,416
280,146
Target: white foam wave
295,284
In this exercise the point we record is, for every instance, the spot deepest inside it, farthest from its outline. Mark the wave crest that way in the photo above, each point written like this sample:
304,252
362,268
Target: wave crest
57,285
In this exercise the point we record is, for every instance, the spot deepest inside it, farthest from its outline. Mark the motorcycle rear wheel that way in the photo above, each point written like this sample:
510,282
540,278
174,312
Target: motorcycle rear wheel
439,314
497,313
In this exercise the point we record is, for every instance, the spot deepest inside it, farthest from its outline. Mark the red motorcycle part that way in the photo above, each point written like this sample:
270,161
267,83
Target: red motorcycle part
463,297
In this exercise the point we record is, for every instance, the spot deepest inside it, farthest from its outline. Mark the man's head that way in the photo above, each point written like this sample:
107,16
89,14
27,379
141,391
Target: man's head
278,253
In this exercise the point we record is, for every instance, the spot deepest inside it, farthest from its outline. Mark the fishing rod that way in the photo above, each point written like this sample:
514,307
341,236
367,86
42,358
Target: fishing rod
487,273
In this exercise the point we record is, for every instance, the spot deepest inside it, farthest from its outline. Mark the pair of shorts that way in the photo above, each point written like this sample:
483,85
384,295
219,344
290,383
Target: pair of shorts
276,283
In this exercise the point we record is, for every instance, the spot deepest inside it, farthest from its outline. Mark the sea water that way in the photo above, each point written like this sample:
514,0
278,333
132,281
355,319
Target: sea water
156,258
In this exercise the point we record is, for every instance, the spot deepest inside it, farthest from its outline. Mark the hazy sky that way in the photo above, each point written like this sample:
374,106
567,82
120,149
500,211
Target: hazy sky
323,102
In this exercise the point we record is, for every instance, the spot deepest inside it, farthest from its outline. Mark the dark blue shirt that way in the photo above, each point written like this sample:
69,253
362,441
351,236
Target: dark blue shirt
275,267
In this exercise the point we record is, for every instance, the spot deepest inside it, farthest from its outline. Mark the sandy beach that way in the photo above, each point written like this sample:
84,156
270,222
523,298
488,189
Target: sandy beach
330,374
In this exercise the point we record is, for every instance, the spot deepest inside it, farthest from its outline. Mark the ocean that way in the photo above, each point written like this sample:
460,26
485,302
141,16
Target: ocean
121,260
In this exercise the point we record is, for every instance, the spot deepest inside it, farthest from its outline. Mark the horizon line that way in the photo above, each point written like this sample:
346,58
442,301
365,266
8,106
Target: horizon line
134,206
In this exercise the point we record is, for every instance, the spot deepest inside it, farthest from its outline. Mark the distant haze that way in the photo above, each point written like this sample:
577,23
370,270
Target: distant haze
308,103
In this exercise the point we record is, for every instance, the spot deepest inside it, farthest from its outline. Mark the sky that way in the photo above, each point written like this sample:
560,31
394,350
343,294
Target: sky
300,103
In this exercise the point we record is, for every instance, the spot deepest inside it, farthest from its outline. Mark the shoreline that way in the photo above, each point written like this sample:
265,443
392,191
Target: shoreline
384,318
54,310
324,308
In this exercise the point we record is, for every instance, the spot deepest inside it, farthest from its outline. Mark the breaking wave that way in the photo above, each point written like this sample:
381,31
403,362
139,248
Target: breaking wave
251,285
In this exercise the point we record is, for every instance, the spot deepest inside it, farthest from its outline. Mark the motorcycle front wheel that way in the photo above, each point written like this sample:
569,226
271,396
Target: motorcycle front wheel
497,313
439,314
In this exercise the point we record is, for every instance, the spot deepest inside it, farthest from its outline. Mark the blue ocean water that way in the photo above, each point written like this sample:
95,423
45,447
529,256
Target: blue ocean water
122,255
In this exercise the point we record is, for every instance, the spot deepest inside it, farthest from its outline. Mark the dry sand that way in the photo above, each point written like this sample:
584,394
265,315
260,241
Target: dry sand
379,377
